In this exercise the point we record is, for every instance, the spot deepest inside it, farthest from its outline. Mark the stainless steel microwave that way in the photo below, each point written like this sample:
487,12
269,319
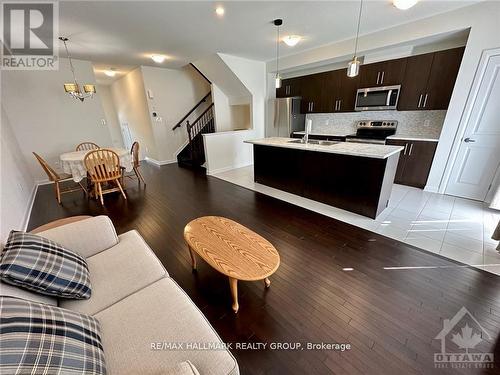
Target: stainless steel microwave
377,98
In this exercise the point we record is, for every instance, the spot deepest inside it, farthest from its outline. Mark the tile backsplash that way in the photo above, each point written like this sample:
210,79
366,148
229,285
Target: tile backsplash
410,123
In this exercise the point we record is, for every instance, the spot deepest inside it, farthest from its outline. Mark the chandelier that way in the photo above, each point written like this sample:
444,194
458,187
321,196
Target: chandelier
74,88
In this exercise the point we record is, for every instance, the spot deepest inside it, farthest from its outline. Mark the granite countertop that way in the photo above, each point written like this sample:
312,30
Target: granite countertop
345,148
332,134
414,137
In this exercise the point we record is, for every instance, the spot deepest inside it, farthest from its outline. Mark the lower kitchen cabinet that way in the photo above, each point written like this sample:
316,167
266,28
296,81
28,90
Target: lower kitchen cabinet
414,162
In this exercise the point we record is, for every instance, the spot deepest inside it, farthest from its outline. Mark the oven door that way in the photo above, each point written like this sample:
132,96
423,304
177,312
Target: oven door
377,98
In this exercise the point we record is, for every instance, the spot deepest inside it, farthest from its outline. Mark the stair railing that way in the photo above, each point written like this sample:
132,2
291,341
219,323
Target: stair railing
203,100
202,125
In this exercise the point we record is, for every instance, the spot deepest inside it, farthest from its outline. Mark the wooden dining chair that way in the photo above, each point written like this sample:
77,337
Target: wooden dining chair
136,163
84,146
57,178
103,166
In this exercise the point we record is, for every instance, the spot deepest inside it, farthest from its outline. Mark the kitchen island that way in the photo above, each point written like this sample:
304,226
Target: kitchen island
356,177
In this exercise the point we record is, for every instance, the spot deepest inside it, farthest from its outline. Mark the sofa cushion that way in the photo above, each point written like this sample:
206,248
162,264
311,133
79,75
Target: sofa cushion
40,339
118,272
136,329
183,368
7,290
87,237
43,266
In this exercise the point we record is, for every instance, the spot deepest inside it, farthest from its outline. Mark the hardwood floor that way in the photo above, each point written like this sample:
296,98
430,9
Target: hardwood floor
335,282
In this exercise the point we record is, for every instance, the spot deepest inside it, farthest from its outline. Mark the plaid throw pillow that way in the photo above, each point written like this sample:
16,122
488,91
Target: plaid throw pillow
41,339
43,266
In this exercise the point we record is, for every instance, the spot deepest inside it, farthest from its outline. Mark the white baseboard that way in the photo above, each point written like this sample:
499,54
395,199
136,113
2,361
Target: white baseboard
431,189
225,169
160,162
27,215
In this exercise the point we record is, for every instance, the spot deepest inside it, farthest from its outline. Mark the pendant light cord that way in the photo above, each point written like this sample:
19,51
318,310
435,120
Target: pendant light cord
70,62
357,32
278,52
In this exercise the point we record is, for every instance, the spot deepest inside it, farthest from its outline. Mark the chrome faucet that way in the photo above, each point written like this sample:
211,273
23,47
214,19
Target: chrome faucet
305,139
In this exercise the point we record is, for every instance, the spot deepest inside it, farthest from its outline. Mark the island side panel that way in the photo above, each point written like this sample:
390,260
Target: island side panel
388,182
279,168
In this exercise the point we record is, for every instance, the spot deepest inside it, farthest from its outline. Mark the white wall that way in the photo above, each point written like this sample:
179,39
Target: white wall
227,150
112,121
17,186
47,120
175,92
132,108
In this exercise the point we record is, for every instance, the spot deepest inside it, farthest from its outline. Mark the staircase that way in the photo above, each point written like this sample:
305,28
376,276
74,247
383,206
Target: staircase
193,155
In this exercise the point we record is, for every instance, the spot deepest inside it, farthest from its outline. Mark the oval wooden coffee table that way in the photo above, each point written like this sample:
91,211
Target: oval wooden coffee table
233,250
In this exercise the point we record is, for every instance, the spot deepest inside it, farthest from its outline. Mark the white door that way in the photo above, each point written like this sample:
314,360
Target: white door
479,154
127,137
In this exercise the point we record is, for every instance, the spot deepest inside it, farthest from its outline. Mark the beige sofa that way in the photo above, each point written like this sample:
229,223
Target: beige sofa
142,310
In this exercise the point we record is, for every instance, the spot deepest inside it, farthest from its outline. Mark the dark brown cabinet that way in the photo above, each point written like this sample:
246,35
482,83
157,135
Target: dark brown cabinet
383,73
311,90
339,92
414,162
429,80
289,87
443,75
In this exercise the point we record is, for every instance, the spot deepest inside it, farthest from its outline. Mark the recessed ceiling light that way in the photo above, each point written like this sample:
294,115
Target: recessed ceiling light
220,11
292,40
110,73
404,4
158,58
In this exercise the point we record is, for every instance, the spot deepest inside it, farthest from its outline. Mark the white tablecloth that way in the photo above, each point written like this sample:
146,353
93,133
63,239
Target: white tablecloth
72,162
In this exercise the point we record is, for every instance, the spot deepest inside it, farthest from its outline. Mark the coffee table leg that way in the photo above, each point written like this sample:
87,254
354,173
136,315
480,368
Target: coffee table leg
267,282
233,284
193,257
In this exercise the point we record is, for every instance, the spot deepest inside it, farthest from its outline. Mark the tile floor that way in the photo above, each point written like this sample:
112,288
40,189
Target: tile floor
453,227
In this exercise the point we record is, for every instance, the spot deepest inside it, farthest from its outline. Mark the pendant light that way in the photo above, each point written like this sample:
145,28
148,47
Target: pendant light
73,88
278,22
353,66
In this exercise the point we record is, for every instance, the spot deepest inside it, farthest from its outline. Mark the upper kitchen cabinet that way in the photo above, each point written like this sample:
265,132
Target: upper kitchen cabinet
289,87
339,91
311,90
429,80
442,78
383,73
415,82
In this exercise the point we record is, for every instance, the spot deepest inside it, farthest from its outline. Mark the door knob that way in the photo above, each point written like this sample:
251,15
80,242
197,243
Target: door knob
468,140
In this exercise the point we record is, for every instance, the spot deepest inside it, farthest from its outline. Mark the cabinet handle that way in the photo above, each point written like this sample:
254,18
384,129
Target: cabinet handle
312,106
340,103
419,101
406,146
468,140
382,78
411,148
425,100
378,77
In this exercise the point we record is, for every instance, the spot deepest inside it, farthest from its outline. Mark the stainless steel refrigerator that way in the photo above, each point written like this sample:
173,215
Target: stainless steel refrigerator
285,117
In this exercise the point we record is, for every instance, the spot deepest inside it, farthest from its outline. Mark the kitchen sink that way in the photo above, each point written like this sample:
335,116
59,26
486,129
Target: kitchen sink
315,142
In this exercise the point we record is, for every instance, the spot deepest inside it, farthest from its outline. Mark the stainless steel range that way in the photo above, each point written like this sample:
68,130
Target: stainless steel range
373,131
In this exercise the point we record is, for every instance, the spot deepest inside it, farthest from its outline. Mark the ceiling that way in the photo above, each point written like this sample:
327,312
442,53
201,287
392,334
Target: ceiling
124,34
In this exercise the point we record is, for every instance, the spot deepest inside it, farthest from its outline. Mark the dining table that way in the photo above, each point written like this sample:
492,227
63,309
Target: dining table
73,164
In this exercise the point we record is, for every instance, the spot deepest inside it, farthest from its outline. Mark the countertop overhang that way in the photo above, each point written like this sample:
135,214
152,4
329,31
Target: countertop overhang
344,148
